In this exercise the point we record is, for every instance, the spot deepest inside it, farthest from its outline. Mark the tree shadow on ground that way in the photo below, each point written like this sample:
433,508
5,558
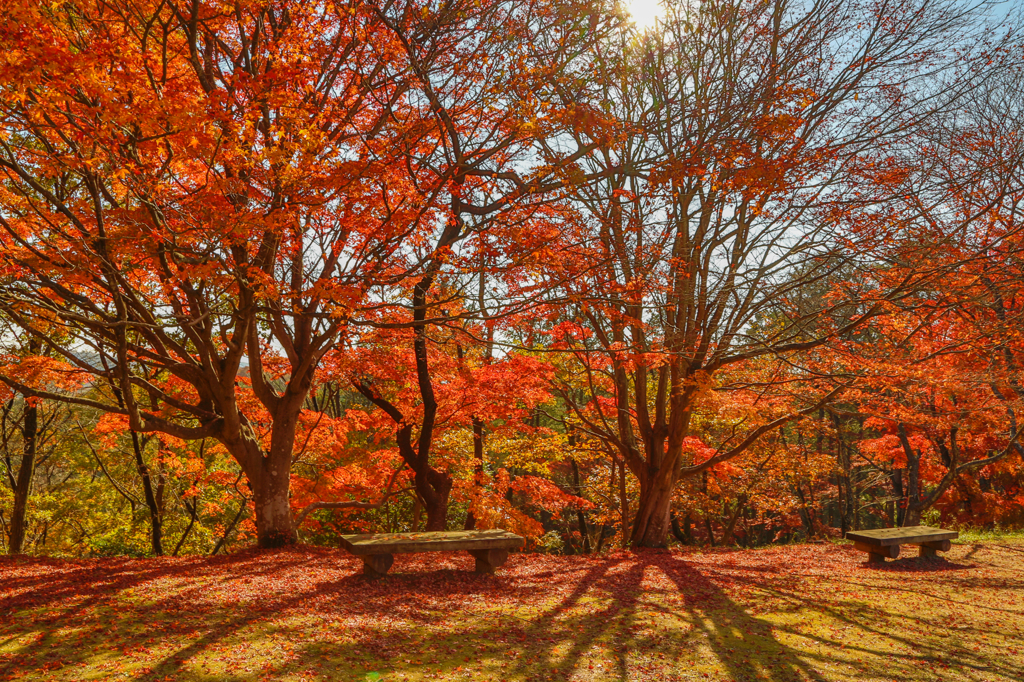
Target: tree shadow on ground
646,615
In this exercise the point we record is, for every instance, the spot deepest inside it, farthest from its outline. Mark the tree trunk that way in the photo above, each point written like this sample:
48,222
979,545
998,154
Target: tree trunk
434,487
730,525
478,467
623,504
417,511
710,529
912,515
269,476
682,532
581,518
651,525
30,433
274,526
804,511
896,477
155,526
223,541
193,513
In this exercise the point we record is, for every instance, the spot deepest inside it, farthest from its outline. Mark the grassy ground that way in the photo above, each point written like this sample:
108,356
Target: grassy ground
805,612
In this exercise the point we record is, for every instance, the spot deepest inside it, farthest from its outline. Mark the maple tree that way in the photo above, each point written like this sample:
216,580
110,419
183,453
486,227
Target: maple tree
764,138
280,267
940,391
30,429
198,195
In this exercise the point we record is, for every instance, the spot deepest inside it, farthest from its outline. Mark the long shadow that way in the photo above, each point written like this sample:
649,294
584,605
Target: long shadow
584,629
1009,548
86,596
650,613
730,629
868,615
377,601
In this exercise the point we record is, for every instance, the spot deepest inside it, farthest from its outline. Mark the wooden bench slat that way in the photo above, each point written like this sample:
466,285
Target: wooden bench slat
444,541
910,535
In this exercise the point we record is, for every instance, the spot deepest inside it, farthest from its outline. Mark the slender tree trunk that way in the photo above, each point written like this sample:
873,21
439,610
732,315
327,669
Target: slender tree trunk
730,526
623,504
912,516
896,478
601,537
223,541
478,466
581,519
710,529
682,532
842,479
155,526
23,486
417,511
478,423
805,515
853,494
193,512
156,532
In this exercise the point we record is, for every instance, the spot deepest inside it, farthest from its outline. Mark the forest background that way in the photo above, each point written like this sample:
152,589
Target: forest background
278,270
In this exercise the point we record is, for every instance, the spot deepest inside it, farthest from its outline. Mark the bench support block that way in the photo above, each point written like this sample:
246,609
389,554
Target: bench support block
377,565
931,549
487,560
878,553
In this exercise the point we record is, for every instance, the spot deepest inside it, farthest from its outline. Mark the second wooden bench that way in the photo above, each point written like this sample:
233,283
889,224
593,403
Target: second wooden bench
884,543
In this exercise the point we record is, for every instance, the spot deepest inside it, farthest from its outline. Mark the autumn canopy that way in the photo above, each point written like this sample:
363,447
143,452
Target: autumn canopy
272,269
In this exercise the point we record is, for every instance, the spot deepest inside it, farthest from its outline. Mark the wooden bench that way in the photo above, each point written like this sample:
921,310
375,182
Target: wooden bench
489,547
885,543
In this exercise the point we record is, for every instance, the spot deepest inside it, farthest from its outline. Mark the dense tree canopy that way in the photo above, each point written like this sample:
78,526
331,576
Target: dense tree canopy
273,268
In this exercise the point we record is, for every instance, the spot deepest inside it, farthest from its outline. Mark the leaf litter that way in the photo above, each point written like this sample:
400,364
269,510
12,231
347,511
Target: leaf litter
797,612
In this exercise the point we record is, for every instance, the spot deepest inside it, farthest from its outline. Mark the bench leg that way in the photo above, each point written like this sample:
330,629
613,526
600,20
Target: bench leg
377,565
877,554
931,549
487,560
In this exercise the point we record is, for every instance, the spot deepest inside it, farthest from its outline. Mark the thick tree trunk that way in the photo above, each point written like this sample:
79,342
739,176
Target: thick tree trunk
269,476
434,487
270,490
437,514
651,524
23,486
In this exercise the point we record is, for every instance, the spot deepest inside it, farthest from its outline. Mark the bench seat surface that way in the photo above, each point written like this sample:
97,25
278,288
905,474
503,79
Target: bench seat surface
884,537
441,541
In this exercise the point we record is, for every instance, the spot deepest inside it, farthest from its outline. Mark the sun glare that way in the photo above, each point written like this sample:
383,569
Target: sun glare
644,13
